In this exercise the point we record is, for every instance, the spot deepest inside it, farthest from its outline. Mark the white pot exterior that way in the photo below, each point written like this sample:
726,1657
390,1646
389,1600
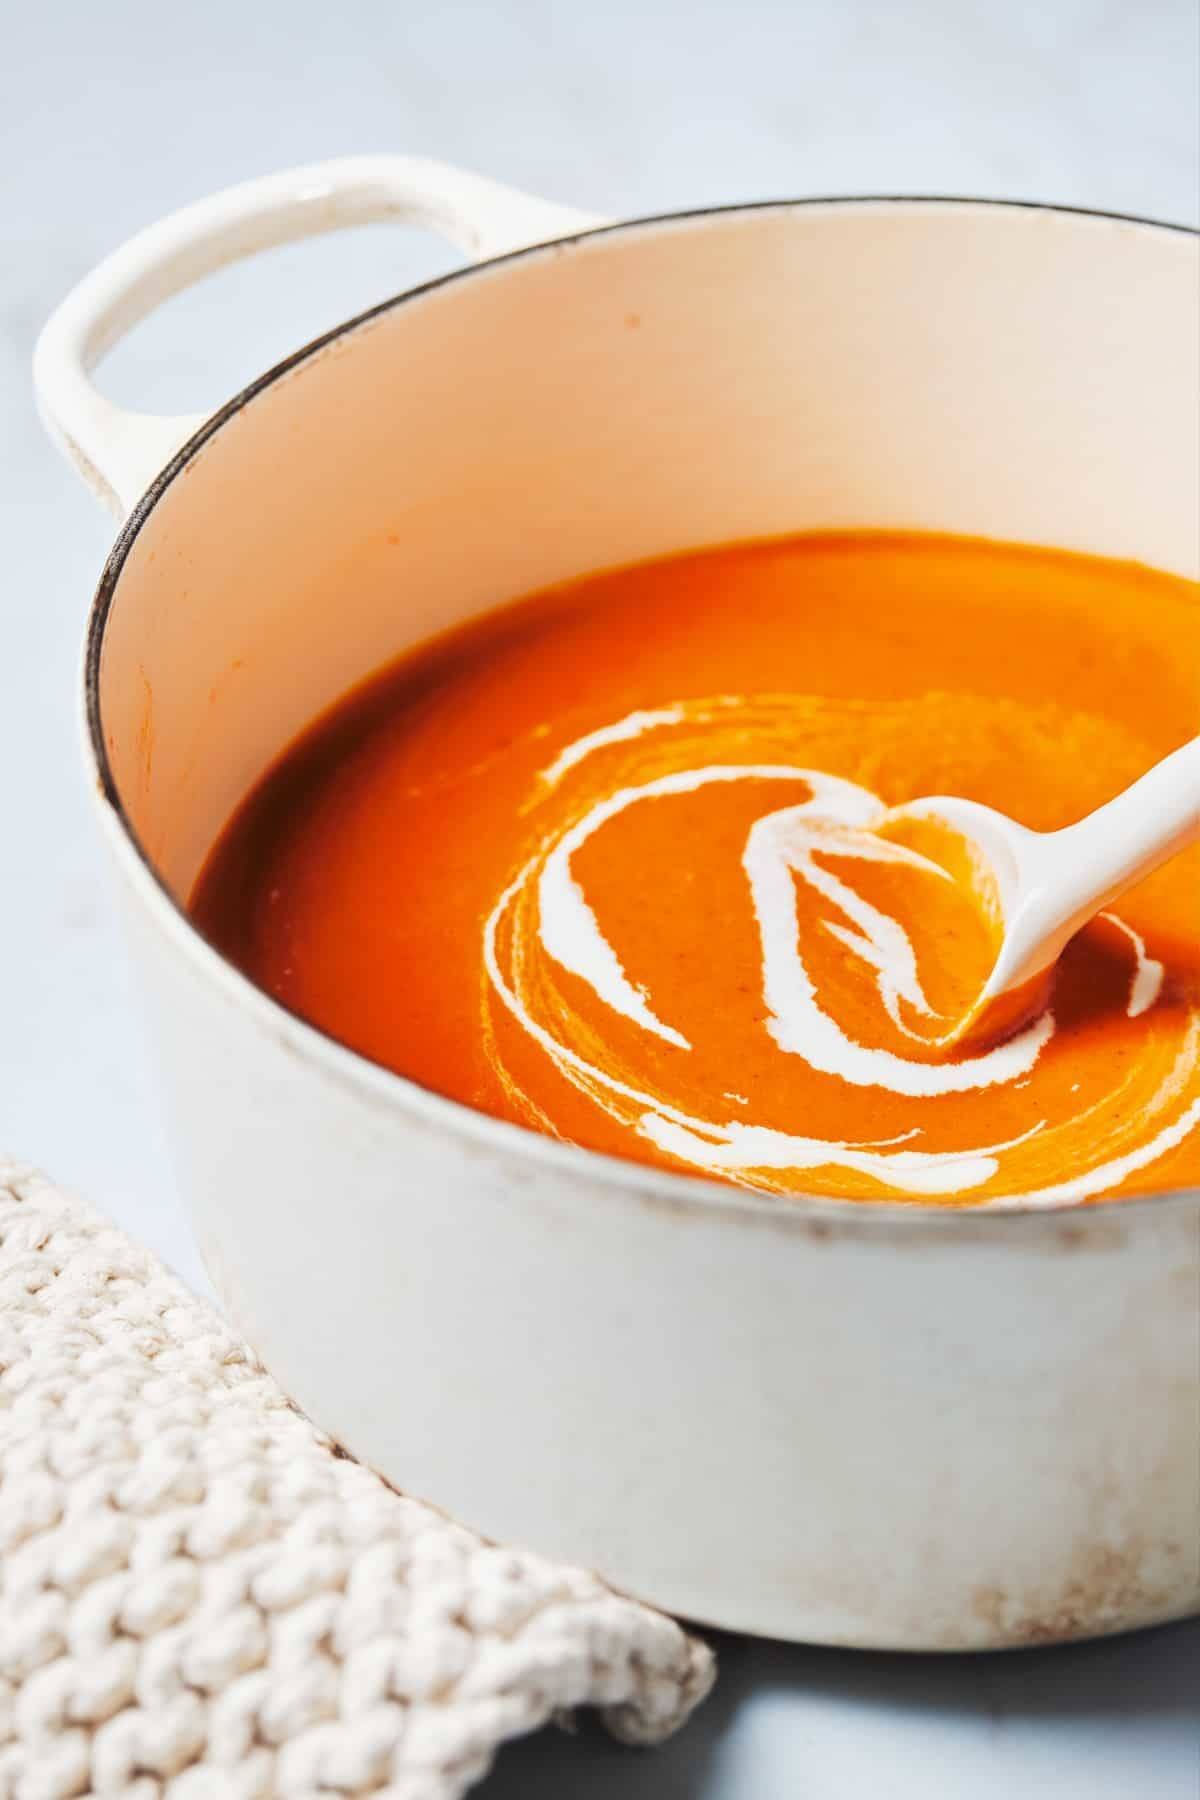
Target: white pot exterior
838,1423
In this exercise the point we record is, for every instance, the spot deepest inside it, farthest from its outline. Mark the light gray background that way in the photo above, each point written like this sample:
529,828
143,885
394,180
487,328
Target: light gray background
111,114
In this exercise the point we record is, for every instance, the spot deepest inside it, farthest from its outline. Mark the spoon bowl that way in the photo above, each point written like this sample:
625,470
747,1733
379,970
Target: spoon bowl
1041,887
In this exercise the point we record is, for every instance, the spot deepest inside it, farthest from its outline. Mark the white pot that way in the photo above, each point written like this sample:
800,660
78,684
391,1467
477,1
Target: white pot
843,1423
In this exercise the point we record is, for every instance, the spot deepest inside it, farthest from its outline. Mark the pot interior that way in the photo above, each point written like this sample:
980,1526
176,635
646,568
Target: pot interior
1015,372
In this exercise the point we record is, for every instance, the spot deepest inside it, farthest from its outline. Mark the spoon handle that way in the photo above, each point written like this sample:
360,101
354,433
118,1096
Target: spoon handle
1070,875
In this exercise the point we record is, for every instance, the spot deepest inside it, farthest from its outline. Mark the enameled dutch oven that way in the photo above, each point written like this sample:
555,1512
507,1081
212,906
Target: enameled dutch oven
847,1423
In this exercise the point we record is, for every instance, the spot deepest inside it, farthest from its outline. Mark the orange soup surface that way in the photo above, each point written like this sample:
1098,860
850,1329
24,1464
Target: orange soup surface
605,863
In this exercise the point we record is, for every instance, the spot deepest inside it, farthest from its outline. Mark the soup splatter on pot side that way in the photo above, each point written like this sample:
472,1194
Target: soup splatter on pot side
602,863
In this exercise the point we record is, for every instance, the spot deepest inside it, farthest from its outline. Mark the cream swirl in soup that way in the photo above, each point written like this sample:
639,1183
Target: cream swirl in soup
602,1024
618,863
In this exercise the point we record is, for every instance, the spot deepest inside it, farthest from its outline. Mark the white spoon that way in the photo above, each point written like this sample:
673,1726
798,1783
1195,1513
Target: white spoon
1050,883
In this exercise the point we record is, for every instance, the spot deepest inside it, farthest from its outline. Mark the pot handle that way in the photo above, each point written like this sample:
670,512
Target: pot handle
120,452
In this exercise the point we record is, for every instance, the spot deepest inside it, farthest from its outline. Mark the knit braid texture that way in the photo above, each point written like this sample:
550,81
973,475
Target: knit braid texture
202,1598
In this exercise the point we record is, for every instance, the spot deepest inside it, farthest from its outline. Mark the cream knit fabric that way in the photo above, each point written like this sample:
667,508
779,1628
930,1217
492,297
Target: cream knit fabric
201,1597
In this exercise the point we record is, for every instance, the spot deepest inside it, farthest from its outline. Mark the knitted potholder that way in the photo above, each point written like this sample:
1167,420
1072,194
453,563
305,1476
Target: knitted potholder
200,1596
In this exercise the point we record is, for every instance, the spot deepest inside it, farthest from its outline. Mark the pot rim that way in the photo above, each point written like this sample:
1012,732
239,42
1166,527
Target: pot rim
675,1191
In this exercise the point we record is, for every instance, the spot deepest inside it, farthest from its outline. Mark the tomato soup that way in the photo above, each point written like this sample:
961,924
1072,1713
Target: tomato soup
604,863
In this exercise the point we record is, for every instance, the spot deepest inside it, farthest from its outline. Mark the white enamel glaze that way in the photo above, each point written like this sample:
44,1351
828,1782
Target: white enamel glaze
120,452
839,1423
1052,882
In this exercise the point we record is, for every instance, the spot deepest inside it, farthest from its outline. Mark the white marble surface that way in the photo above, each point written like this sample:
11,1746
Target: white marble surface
112,114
